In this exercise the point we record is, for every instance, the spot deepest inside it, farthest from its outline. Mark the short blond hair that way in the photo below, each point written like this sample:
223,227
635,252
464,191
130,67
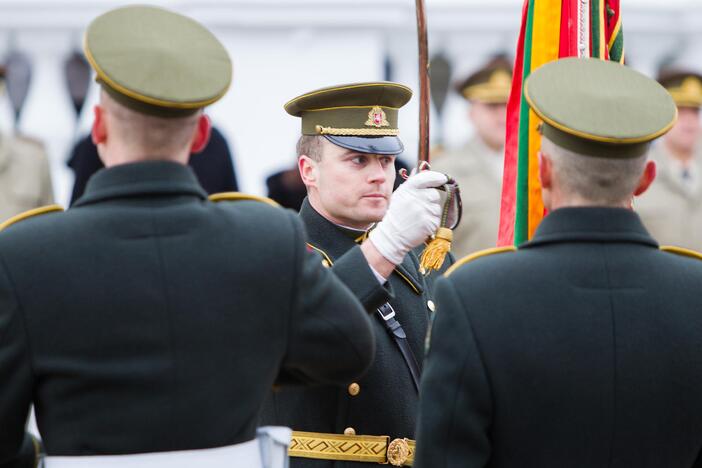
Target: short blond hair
600,181
148,134
311,146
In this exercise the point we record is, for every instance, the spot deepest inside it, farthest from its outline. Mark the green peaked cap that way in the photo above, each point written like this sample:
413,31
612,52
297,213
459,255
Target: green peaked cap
599,108
156,61
361,117
357,109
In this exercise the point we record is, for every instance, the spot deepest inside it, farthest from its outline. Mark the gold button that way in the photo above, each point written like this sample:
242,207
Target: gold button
349,431
325,263
354,389
431,306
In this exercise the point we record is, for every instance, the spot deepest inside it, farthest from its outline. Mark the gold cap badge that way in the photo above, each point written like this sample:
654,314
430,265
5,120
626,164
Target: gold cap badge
377,118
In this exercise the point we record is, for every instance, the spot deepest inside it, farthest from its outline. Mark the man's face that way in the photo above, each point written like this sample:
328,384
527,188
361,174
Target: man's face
489,121
686,132
351,188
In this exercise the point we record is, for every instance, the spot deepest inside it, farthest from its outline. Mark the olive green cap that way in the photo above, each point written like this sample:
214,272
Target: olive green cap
359,109
684,86
359,116
490,84
598,107
156,61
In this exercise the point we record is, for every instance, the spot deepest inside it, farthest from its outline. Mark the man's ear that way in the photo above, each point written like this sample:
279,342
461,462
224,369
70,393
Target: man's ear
308,170
647,178
202,134
545,171
98,132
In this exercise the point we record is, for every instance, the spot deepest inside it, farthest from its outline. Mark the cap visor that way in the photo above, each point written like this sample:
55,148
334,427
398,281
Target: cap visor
372,145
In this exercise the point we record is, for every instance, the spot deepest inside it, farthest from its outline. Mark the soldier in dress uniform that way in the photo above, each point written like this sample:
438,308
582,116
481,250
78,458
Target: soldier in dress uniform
672,208
582,348
346,160
478,165
148,323
25,178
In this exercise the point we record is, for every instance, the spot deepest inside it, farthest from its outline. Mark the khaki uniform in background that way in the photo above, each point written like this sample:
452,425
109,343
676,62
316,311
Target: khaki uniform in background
671,209
478,171
477,167
25,179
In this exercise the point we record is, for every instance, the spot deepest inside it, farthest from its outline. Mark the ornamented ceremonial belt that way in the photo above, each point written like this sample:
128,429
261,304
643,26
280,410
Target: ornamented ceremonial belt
357,448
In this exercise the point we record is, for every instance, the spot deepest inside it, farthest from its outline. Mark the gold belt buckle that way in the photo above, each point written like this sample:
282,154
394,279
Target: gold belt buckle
398,452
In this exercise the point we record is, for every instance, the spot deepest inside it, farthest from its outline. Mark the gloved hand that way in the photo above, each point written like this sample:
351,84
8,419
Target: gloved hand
414,215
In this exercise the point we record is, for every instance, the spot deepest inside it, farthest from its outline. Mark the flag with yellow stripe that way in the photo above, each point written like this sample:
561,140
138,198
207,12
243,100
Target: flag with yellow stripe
551,29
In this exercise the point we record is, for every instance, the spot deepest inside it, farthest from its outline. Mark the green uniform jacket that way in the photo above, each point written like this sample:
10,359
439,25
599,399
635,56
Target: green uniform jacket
148,318
582,349
387,401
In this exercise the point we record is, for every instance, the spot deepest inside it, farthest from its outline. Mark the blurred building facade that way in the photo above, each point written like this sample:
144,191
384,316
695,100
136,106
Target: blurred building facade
281,48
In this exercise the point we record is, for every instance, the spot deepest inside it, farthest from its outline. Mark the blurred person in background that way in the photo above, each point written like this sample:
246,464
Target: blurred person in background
477,167
286,188
25,178
672,208
213,167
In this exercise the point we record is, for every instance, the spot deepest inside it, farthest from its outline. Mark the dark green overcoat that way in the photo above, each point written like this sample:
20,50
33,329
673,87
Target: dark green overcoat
387,401
148,318
582,349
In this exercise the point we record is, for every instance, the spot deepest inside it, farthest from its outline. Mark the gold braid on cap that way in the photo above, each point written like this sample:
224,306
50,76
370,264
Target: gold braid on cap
357,131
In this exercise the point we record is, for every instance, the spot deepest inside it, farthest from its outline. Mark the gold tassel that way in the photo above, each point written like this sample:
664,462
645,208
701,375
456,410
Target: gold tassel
435,253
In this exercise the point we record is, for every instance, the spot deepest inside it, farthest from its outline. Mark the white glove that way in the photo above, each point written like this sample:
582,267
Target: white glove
414,215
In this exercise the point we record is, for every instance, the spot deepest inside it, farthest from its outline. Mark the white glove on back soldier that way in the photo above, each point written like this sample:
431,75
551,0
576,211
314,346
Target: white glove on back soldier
414,215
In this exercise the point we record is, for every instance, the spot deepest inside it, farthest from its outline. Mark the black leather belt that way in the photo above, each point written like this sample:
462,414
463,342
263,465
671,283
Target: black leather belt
387,316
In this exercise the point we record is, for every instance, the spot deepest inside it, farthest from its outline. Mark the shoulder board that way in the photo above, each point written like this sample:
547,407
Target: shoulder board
681,251
30,214
238,196
479,254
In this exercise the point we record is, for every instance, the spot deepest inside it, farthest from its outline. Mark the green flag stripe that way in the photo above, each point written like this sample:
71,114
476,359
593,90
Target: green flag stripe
617,50
521,219
595,22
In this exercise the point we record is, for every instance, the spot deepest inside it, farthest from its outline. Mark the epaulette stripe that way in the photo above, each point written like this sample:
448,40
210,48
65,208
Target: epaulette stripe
479,254
681,251
30,214
330,262
322,252
407,280
238,196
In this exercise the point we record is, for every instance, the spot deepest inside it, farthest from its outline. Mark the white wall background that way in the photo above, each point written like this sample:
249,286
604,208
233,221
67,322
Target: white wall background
281,48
